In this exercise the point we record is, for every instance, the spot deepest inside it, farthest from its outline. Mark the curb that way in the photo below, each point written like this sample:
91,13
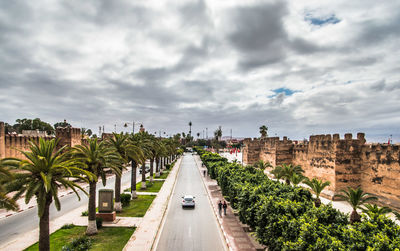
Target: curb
215,210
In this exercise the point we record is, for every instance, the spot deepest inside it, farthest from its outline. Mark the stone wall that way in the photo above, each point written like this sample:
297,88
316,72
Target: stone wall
11,145
344,162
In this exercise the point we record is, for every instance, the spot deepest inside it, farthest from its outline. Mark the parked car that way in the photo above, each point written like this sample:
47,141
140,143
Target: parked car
147,169
188,201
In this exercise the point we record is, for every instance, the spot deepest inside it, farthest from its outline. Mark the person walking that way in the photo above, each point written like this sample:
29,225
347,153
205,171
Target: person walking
204,173
220,208
224,206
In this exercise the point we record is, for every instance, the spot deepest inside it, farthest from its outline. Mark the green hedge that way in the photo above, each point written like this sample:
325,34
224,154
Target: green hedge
285,218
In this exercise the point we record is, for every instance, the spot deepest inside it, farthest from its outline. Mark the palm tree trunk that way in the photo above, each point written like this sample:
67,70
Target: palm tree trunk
133,179
118,206
92,228
151,169
44,233
157,167
143,175
317,202
161,165
354,217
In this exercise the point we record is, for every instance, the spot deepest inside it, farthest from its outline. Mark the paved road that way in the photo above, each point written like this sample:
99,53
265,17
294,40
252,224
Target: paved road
28,220
190,229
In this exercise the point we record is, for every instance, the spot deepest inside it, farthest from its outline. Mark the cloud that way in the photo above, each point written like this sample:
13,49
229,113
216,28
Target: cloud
301,68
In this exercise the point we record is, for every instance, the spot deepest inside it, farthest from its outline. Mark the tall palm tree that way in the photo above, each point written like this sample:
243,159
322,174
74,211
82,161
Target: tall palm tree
218,133
198,135
264,131
96,158
287,171
373,211
121,144
317,186
5,201
356,198
190,128
160,151
44,171
145,144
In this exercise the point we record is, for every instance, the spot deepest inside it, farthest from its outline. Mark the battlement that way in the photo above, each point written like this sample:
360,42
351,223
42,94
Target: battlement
61,131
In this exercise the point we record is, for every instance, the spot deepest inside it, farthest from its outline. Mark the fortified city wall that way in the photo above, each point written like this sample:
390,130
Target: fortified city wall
343,162
11,144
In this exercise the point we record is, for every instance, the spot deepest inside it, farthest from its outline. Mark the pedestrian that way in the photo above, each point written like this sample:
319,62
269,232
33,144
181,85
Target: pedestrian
204,173
220,208
224,206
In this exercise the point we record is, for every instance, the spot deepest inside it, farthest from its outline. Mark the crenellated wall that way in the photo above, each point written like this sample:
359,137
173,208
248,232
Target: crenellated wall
11,145
343,162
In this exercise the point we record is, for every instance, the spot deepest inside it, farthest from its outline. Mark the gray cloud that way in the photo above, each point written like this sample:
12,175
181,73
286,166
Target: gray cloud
110,62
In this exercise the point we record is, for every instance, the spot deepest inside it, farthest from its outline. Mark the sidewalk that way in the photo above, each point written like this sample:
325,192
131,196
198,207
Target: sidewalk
145,235
235,236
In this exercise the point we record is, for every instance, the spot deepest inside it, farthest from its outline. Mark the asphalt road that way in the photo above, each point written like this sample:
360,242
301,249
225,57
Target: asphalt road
28,220
190,229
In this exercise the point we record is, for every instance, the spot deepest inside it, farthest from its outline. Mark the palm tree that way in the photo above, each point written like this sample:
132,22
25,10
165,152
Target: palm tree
373,211
287,171
317,186
43,172
198,135
145,144
297,179
264,131
277,172
96,158
218,133
127,152
5,201
262,165
190,128
356,198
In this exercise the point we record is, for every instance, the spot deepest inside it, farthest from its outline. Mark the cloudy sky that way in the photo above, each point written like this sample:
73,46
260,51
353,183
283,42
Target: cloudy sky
300,67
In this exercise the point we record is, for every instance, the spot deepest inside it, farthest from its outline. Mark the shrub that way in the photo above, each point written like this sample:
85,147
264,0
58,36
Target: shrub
168,166
125,199
79,244
85,213
99,222
67,226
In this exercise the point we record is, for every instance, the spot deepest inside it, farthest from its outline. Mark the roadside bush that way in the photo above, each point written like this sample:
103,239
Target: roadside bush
99,222
79,244
125,199
285,218
85,213
168,166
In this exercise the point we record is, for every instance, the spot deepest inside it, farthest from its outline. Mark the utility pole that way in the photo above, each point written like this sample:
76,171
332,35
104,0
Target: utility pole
206,133
231,133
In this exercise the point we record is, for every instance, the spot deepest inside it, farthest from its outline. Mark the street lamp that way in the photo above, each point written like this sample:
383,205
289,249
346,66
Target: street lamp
133,125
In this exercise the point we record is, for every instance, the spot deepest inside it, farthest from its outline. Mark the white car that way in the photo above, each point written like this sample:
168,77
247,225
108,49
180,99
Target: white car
188,201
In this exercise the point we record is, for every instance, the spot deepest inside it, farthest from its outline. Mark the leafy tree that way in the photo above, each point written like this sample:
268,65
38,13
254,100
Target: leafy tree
62,124
356,198
373,211
41,175
317,186
32,124
96,158
264,131
397,215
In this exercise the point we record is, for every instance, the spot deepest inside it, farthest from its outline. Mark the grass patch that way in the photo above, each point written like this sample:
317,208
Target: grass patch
162,176
108,238
138,207
154,186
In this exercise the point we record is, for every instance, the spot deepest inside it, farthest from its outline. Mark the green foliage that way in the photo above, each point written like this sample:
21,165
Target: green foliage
85,213
32,124
79,244
67,226
284,217
125,199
